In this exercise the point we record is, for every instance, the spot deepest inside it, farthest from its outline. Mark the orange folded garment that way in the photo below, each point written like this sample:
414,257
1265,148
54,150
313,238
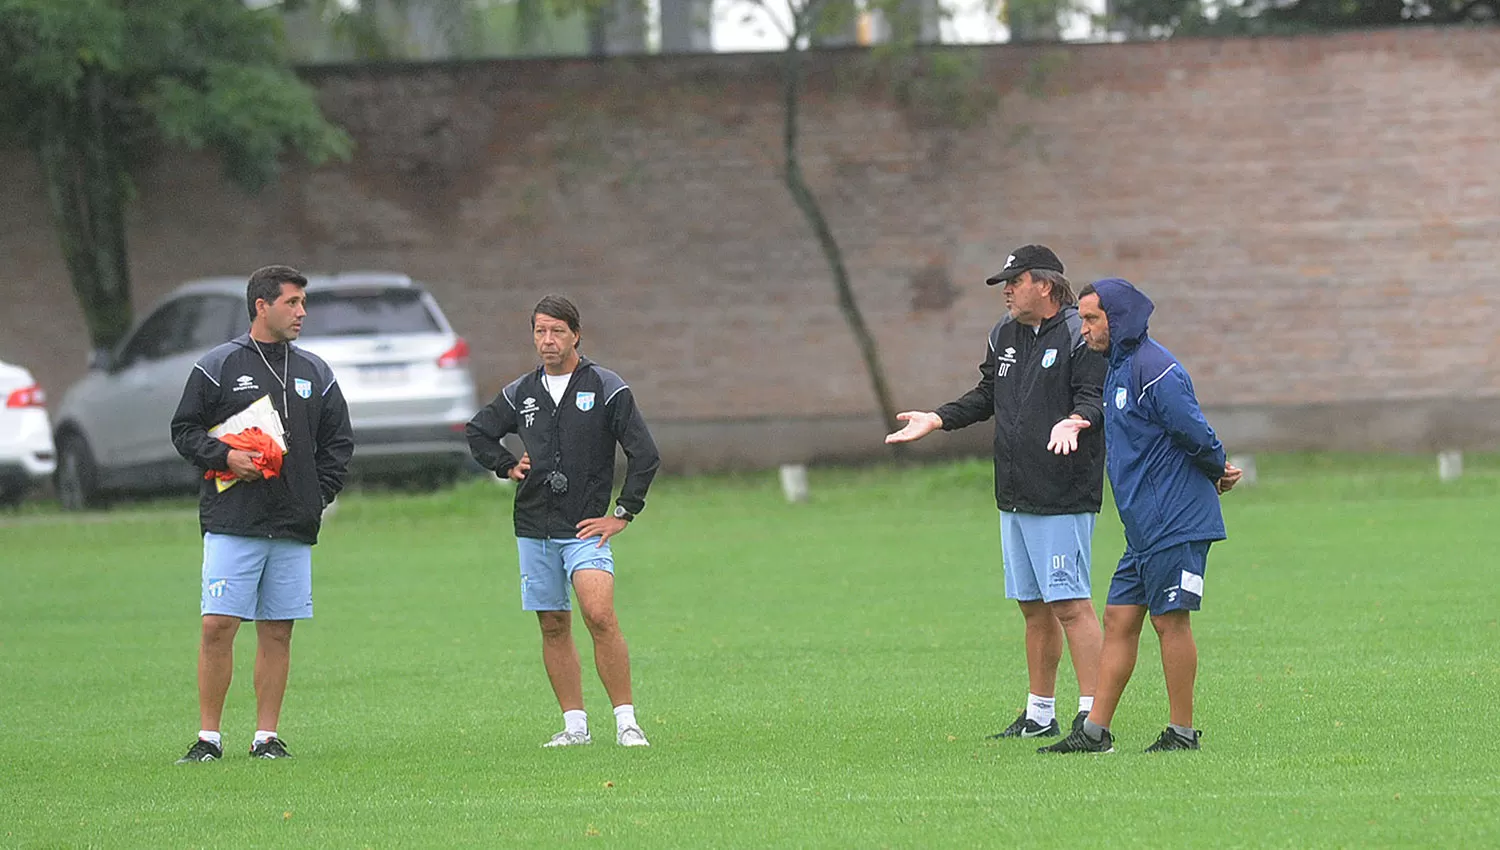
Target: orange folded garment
251,440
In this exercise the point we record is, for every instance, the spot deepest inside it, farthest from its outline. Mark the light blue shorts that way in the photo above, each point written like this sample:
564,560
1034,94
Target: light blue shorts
547,568
256,578
1046,557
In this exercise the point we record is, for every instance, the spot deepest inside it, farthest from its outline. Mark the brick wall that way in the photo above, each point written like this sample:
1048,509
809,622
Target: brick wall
1317,218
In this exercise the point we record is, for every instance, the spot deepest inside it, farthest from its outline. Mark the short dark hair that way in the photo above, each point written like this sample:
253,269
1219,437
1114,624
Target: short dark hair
1087,290
1061,291
558,308
265,285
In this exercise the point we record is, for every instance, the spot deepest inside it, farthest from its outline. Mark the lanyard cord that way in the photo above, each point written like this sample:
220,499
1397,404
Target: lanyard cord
286,412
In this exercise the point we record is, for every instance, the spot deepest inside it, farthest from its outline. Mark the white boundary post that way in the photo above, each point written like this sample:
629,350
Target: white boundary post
1450,465
794,482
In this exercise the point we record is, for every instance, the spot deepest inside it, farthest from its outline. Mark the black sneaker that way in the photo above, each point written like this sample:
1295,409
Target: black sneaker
202,750
1025,727
1078,720
270,748
1079,742
1171,739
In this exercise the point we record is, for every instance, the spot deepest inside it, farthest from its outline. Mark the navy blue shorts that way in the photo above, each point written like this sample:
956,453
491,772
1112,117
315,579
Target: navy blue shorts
1164,581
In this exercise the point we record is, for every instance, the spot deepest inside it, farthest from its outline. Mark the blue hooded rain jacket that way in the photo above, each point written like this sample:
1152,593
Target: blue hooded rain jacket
1163,459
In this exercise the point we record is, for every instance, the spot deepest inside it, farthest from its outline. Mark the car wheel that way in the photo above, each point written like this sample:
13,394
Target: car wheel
77,476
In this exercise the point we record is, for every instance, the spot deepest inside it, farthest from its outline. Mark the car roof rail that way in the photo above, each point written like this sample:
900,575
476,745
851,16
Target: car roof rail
209,284
379,278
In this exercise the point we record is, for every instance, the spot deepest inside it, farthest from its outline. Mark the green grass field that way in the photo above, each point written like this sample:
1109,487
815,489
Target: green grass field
813,675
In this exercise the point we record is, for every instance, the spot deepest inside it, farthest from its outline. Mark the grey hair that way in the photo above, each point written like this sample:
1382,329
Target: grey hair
1061,291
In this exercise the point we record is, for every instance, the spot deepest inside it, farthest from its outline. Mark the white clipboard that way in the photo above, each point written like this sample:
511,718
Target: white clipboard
261,414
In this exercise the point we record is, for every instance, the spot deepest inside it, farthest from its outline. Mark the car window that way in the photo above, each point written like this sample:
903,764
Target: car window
240,323
367,312
166,332
215,323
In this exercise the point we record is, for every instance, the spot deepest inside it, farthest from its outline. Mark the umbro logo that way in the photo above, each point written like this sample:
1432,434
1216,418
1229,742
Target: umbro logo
245,379
529,410
245,382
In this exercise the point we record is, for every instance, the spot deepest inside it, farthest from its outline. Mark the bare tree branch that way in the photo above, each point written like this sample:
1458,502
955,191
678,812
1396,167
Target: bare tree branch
807,202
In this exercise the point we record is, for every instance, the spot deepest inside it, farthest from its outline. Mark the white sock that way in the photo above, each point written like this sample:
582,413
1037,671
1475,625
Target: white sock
211,737
1041,710
1085,703
624,716
576,721
264,735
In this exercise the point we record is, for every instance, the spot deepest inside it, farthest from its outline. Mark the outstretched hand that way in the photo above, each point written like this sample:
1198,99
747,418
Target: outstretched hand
1064,438
918,425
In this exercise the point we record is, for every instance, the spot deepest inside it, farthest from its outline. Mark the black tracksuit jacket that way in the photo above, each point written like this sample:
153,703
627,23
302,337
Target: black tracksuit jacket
1028,381
320,441
576,438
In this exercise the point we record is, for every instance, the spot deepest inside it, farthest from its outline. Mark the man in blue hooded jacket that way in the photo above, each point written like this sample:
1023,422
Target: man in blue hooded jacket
1167,469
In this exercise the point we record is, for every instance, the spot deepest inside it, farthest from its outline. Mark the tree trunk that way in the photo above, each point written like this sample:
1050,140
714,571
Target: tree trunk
808,204
596,23
86,191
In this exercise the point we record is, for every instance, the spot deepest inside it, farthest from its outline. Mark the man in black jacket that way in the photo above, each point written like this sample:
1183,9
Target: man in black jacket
1036,372
259,529
570,413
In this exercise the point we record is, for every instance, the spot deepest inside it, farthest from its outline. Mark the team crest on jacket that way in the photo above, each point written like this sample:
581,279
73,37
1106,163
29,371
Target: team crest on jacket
1120,397
303,387
1049,357
585,401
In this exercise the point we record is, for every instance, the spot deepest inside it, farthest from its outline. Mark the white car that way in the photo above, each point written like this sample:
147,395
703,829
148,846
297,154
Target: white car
402,369
26,455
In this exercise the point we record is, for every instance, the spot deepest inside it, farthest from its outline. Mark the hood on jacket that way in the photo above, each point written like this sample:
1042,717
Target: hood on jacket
1128,310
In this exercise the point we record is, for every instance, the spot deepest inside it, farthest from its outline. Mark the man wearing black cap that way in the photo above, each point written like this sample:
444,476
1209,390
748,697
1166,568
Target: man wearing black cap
1037,372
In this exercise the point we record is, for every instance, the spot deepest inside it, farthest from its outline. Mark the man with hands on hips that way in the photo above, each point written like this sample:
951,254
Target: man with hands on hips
570,413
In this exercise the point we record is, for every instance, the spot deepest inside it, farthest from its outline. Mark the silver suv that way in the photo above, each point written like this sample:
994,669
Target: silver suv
402,369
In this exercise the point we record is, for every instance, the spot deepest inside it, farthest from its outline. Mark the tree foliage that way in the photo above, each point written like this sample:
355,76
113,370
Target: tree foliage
93,87
325,30
1166,18
358,30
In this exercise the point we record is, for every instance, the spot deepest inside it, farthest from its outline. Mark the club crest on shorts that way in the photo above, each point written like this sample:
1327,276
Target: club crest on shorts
303,387
1120,397
585,401
1049,357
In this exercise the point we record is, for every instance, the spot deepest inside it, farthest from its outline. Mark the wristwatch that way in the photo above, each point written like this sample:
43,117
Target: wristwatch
621,513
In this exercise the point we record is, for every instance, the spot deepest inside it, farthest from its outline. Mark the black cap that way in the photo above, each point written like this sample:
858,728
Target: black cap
1027,258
